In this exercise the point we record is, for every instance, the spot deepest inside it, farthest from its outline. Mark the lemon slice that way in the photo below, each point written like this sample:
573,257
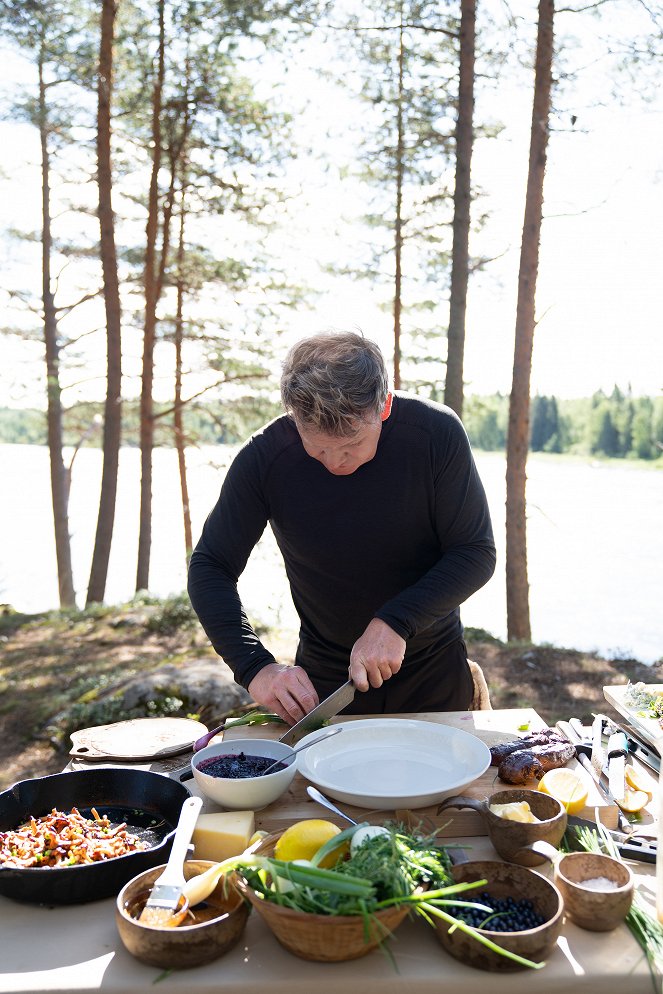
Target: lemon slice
634,800
303,839
637,780
568,787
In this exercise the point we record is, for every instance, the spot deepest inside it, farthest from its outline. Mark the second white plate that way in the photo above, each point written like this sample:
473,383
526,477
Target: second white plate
394,762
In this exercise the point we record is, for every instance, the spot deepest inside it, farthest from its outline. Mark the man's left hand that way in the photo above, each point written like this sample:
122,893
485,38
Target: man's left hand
376,655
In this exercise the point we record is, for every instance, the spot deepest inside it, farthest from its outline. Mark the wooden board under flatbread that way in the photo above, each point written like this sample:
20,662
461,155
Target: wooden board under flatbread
490,726
136,739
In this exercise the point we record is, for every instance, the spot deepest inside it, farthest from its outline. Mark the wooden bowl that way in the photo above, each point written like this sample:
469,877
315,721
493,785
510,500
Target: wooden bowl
186,945
511,839
598,910
505,880
321,938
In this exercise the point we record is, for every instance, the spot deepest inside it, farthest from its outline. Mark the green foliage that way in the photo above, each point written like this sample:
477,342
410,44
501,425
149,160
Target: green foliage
173,614
206,422
486,420
616,426
89,714
545,425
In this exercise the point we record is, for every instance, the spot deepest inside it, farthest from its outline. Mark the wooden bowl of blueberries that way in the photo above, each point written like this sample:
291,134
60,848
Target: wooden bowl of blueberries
525,916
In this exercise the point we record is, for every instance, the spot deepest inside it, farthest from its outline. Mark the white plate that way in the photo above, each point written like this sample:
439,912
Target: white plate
394,762
640,718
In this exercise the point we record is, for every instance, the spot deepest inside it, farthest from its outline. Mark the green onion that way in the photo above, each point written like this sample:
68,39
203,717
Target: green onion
318,877
335,842
256,717
483,939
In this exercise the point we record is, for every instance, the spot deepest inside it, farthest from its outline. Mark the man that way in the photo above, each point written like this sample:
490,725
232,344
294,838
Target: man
382,521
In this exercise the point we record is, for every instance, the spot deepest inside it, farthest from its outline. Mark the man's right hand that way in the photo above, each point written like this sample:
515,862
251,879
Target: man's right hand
284,690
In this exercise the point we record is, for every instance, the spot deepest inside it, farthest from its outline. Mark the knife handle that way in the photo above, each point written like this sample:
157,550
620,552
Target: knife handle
617,745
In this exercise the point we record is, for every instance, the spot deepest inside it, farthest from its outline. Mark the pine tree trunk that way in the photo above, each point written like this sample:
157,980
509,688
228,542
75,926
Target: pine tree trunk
113,405
59,476
460,256
398,235
178,425
149,330
517,585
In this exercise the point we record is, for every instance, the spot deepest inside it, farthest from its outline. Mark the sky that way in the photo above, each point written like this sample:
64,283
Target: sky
598,295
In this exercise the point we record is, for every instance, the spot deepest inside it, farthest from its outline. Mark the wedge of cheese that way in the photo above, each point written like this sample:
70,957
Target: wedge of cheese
222,834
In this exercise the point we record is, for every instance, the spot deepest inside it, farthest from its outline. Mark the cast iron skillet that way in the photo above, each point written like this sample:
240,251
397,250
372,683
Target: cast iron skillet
150,803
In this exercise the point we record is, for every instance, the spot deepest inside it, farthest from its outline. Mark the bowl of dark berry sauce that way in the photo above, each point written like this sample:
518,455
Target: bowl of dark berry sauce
237,766
232,772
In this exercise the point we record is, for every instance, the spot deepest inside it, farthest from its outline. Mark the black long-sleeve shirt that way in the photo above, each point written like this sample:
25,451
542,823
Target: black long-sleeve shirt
405,538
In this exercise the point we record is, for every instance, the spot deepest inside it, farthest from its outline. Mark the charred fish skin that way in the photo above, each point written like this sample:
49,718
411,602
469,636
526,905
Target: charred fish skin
503,749
554,754
530,757
520,767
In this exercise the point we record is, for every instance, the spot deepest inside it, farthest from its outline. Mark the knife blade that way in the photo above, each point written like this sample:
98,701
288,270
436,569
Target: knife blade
325,709
617,752
597,759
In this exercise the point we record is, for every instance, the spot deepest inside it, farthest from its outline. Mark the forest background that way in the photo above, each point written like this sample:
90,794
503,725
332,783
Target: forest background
190,210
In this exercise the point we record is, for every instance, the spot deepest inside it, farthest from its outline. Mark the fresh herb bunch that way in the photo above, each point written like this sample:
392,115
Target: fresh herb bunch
394,865
398,863
395,868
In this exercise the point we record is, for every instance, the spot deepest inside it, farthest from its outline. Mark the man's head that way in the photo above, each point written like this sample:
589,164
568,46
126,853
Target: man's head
334,385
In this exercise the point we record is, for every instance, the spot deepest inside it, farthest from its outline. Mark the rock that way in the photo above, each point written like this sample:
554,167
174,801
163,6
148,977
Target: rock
207,683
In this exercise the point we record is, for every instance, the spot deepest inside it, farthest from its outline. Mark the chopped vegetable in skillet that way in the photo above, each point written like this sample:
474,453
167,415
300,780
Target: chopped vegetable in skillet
60,839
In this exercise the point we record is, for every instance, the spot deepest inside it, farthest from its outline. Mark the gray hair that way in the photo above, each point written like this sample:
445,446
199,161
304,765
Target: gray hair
333,380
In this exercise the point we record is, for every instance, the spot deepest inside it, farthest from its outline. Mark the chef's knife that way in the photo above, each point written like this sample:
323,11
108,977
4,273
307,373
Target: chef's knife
325,710
617,752
583,752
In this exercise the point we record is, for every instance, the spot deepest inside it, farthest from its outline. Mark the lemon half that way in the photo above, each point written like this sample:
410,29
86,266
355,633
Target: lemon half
638,780
633,800
303,839
568,787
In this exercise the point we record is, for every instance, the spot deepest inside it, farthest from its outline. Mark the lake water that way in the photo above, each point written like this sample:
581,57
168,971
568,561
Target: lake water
595,544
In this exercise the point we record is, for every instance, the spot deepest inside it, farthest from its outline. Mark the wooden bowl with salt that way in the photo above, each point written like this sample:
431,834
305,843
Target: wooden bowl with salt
597,889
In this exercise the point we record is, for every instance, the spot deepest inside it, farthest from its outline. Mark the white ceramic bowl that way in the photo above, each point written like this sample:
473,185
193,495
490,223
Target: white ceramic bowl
245,793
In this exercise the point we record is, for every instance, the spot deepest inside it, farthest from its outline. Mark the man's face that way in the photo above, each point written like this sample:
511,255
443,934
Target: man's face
342,456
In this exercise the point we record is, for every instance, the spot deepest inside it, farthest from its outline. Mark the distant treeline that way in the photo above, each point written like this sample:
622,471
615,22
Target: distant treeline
617,425
204,424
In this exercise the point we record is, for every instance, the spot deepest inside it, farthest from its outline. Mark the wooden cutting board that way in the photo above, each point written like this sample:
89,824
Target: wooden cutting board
136,739
490,726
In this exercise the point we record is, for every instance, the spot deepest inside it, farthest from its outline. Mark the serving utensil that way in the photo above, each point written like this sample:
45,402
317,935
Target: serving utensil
169,886
328,732
316,795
